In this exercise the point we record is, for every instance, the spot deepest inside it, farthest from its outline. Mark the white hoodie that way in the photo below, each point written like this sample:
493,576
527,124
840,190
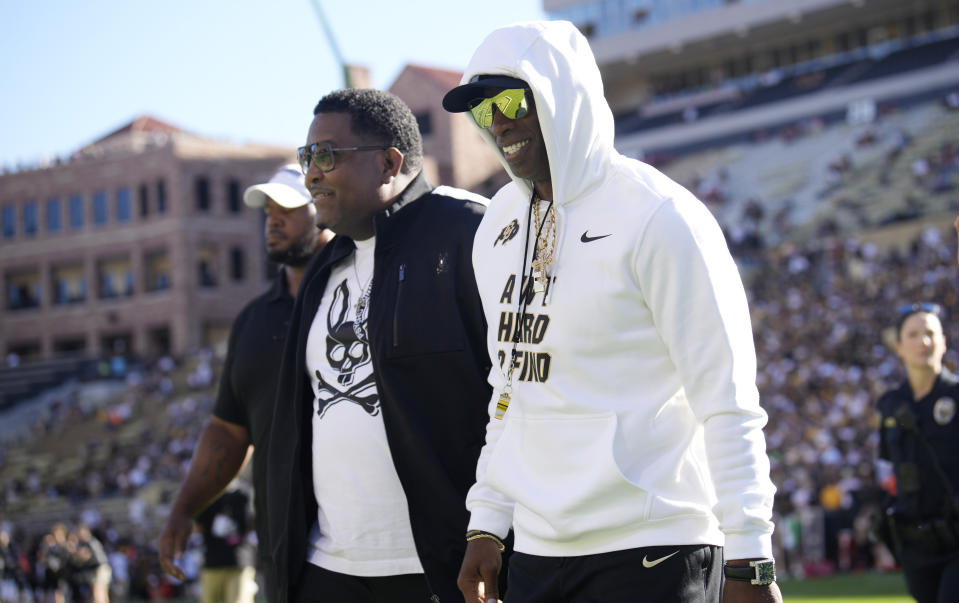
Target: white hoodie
635,418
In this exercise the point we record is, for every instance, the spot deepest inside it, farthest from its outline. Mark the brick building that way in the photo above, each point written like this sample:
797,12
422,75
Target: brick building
139,243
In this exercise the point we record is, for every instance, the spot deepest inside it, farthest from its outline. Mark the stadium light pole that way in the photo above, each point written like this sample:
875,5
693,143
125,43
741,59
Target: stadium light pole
332,40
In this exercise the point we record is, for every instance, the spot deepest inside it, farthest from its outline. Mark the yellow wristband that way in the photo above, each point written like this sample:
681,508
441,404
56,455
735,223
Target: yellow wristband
477,534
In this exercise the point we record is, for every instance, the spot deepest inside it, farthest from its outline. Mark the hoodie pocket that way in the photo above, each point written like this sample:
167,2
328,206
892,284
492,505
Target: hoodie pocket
562,474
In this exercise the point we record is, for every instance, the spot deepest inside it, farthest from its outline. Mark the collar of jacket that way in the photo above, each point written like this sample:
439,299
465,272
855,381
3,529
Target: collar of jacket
944,378
342,246
383,221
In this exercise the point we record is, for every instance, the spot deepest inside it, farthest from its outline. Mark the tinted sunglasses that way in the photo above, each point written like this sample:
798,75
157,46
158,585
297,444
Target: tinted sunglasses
323,155
914,307
511,103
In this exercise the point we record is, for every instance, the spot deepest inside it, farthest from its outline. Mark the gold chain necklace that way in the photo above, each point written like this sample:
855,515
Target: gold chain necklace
545,246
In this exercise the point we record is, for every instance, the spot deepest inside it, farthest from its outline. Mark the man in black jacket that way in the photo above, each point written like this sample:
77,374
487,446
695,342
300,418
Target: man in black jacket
382,404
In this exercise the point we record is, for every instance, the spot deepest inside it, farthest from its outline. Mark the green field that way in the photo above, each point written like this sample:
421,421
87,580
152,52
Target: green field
850,588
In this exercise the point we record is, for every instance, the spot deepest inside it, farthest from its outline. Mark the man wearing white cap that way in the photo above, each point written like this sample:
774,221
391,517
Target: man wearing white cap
244,404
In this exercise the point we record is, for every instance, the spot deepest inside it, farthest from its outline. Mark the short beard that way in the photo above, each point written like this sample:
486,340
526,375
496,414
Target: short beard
296,255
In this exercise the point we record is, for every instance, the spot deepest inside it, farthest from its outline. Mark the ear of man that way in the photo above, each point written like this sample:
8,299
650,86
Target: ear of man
392,164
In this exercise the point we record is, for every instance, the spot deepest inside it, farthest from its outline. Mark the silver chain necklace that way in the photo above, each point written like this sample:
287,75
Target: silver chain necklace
363,301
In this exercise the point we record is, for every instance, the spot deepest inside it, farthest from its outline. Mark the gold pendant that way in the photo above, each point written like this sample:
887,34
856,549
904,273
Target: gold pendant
501,405
539,282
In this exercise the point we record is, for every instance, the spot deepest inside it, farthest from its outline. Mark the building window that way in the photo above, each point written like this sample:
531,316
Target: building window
99,208
206,267
108,288
201,190
159,341
144,195
115,278
30,218
124,205
233,196
9,216
237,264
54,222
425,123
70,345
161,197
76,212
23,290
69,284
157,271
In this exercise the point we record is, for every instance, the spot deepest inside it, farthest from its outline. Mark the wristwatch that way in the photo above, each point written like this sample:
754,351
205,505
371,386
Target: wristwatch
760,572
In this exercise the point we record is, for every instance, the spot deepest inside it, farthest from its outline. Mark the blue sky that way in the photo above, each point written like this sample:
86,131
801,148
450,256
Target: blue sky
242,70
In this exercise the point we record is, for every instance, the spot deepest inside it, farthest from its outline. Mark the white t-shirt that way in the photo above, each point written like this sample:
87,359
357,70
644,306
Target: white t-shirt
363,525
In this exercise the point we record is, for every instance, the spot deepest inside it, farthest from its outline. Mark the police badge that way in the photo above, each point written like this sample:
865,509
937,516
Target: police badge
944,410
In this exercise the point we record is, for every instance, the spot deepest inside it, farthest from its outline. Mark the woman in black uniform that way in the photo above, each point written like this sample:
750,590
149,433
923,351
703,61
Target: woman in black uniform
919,435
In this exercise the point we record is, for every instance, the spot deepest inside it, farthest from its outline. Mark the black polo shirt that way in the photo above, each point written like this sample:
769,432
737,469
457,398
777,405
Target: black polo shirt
249,380
223,526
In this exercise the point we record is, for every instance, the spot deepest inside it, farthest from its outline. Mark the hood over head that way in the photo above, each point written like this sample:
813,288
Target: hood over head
556,62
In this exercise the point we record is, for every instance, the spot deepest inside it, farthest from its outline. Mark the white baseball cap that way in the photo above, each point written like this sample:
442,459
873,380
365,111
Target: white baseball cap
286,188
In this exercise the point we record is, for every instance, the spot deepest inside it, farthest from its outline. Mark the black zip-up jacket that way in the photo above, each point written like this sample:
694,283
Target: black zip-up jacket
428,339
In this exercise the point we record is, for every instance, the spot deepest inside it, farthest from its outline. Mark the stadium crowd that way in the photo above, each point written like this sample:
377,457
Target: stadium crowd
130,450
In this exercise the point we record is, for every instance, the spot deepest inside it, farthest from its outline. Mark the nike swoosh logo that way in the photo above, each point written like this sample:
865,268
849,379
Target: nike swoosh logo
655,562
588,239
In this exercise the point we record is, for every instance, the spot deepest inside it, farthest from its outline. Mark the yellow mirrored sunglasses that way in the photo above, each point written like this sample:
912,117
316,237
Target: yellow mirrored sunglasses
511,103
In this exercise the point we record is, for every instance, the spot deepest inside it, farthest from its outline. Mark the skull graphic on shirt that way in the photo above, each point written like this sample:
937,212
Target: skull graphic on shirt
347,351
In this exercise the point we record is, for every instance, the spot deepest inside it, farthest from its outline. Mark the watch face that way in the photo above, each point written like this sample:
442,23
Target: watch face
765,572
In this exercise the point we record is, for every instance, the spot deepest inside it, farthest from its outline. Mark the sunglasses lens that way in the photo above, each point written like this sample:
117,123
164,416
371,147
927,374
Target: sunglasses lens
320,155
323,157
483,112
511,103
303,157
927,307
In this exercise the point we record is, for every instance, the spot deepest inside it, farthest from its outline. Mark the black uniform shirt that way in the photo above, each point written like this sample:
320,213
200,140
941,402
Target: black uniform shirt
249,380
936,418
224,531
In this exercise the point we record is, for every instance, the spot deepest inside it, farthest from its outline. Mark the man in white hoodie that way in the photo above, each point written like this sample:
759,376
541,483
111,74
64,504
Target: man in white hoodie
625,446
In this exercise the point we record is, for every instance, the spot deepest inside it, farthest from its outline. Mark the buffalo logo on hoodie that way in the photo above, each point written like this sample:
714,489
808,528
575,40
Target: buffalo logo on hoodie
509,231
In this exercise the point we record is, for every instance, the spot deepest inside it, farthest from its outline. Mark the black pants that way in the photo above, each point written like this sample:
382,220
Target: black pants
318,585
935,582
660,574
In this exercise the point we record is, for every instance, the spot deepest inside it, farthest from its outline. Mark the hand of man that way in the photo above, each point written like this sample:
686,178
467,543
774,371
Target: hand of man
478,579
744,592
172,542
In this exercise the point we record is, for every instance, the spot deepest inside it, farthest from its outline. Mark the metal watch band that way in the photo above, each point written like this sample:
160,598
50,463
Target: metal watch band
759,573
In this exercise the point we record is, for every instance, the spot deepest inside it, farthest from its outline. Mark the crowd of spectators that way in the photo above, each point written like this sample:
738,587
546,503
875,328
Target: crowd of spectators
822,316
130,451
62,564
